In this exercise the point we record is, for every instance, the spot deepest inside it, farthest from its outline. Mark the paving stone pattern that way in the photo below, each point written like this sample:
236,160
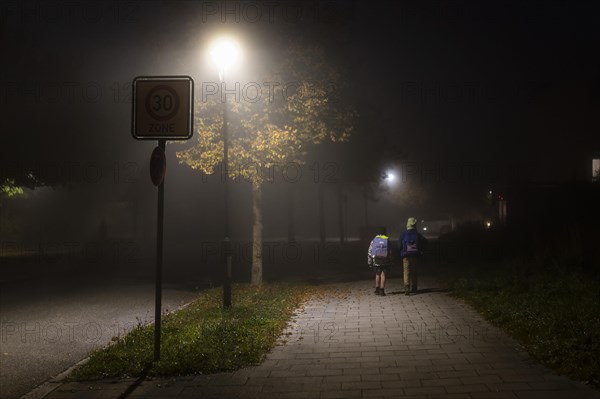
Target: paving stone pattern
354,344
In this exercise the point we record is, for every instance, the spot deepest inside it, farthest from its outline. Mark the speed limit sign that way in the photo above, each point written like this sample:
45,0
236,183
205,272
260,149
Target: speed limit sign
163,107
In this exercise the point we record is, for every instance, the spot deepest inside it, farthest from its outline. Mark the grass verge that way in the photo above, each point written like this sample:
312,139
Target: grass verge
555,316
203,338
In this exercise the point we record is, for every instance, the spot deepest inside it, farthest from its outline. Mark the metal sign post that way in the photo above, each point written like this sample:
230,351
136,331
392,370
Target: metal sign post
157,174
162,110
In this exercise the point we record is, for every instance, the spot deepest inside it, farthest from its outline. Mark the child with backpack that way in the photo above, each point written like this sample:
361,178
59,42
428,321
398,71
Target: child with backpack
411,245
379,259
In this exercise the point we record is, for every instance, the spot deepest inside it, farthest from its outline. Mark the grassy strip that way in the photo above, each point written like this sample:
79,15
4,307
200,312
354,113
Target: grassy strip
203,338
556,317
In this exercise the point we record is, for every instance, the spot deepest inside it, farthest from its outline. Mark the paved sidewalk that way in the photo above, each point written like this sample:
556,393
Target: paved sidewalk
355,344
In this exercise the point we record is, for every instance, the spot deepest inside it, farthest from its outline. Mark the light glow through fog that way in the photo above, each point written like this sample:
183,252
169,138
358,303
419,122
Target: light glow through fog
225,53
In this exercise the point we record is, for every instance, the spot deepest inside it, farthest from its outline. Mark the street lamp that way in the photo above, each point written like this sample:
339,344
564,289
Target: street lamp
225,53
390,178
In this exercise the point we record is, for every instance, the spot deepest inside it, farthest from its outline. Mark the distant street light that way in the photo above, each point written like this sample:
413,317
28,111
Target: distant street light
225,53
390,178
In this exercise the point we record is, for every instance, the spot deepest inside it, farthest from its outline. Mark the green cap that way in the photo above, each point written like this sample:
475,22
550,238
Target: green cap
411,223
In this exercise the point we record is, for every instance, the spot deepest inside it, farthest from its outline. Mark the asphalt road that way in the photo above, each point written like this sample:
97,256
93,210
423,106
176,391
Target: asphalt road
48,325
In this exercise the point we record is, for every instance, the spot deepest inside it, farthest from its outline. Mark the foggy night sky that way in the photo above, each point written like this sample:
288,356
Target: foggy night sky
487,112
509,84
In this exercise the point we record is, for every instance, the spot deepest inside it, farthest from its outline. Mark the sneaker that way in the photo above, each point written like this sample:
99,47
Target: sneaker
377,292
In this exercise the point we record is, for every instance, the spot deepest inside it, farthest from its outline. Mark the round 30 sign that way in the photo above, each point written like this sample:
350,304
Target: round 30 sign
162,103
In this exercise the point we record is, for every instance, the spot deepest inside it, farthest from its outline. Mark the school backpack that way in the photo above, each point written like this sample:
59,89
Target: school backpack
410,242
379,249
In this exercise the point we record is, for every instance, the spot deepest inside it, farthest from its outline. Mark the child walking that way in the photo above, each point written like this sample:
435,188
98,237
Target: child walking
379,259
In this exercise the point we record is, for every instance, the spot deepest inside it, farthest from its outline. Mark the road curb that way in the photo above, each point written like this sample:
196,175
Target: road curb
44,389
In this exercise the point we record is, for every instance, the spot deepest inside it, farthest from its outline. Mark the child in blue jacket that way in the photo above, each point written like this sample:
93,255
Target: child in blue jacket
411,246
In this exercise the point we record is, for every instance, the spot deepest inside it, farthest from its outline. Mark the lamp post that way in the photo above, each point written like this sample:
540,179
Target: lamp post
225,53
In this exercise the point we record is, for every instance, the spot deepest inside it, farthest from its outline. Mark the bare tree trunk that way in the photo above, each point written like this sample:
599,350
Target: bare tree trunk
366,199
257,235
322,232
341,211
290,212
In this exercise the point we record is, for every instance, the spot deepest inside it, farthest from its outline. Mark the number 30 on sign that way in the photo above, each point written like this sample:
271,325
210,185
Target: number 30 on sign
163,107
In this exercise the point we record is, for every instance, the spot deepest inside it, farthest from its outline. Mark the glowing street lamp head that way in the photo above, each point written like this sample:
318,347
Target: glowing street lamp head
390,178
225,53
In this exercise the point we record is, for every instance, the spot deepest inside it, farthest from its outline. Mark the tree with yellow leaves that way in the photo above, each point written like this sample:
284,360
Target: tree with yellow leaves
295,106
